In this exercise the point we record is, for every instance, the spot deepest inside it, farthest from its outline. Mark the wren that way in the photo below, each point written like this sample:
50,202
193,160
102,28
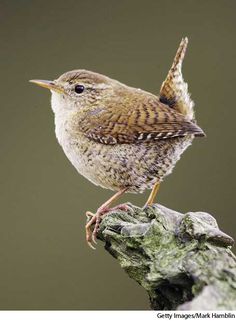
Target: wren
122,138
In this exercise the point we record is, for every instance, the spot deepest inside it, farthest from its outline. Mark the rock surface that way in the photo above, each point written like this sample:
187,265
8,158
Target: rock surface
183,261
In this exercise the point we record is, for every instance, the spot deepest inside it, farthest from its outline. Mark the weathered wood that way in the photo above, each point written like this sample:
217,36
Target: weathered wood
183,261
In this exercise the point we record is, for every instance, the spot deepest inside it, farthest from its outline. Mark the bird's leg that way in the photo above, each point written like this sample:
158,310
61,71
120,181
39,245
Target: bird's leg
153,194
102,211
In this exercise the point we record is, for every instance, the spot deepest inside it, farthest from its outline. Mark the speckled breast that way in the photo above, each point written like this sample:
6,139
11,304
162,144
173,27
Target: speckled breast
137,166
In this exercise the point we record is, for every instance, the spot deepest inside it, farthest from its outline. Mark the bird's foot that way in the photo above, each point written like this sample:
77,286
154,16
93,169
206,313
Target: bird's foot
147,205
91,236
122,207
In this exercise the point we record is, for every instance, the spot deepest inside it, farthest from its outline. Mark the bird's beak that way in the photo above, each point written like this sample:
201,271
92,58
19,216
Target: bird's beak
47,84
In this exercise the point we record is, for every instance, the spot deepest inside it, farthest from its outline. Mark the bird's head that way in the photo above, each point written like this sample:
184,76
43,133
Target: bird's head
78,89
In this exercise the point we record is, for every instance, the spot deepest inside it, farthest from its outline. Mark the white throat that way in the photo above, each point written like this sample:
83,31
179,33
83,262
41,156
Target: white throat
62,110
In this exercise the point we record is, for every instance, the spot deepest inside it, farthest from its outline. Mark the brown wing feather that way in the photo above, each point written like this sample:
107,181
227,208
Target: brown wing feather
146,120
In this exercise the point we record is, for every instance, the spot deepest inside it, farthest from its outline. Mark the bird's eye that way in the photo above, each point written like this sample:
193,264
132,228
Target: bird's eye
79,89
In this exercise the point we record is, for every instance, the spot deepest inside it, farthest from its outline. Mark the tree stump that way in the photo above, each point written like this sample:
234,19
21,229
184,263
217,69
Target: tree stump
183,261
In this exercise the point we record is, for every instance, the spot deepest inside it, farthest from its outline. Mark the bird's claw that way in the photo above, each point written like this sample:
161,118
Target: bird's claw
91,245
92,219
94,238
122,207
91,236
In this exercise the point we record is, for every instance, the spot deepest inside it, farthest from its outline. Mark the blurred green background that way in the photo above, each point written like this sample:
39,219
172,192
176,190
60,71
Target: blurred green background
44,260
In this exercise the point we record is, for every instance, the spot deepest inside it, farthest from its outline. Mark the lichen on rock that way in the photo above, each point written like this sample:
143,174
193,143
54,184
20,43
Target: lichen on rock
183,261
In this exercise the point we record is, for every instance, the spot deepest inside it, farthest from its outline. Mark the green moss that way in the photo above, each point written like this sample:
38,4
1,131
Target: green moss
173,256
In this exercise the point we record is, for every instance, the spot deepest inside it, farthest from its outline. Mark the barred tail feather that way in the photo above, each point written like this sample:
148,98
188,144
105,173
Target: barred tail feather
174,91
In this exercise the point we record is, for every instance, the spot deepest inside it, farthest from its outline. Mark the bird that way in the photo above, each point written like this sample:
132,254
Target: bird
122,138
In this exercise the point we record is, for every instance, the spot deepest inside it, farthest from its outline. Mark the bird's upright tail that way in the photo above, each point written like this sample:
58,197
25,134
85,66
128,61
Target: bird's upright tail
174,91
